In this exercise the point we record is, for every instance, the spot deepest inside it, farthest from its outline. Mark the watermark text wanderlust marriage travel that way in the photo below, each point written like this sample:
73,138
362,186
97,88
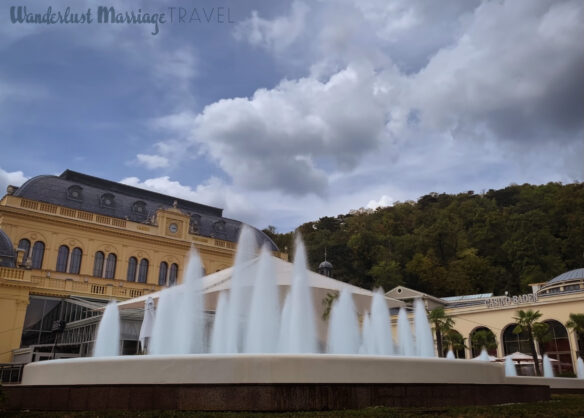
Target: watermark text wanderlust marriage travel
111,15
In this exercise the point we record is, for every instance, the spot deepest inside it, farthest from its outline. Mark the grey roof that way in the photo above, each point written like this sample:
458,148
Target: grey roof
7,253
325,264
93,194
577,274
467,297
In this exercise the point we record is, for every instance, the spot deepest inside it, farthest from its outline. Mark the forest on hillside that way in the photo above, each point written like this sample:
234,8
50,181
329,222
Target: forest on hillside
446,245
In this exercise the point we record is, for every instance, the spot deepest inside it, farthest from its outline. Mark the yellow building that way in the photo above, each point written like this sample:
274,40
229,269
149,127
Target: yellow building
493,315
69,243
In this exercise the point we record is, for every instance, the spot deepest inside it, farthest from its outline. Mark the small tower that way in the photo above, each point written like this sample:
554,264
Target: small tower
325,268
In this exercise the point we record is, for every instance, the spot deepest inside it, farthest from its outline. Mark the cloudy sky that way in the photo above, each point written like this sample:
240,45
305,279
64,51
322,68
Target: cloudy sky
283,112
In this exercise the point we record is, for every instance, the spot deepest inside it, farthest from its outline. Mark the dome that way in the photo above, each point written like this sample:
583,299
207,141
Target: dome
7,253
577,274
325,265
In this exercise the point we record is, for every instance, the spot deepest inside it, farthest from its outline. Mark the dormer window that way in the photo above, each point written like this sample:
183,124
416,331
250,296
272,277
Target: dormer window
75,193
194,223
107,200
139,211
219,226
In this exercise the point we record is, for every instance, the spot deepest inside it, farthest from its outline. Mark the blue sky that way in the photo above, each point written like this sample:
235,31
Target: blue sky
301,109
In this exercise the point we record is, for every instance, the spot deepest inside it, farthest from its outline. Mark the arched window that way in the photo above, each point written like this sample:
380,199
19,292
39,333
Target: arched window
162,273
483,337
62,258
107,200
75,263
38,253
75,193
24,245
98,264
132,264
110,267
557,347
143,272
173,275
515,342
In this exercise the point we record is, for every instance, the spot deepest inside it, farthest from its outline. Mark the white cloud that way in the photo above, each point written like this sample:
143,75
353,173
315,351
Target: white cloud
13,178
385,200
276,34
213,192
152,161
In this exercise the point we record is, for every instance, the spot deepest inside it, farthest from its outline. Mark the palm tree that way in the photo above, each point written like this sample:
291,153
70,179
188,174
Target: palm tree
526,320
483,338
442,324
576,324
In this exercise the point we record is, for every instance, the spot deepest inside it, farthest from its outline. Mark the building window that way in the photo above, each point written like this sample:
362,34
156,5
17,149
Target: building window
110,267
162,273
483,337
62,258
75,263
38,253
143,272
132,264
75,193
24,245
557,347
107,200
515,342
98,264
172,277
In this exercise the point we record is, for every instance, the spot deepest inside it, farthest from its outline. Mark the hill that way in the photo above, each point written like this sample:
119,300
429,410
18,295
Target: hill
444,244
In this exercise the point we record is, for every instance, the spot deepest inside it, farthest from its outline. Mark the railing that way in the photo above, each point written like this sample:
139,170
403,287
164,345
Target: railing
11,373
11,273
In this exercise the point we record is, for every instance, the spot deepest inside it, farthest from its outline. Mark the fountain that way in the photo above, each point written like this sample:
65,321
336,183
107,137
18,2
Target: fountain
580,364
548,370
510,370
267,355
107,340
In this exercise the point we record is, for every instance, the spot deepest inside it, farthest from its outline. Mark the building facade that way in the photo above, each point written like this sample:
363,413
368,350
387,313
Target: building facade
69,243
493,317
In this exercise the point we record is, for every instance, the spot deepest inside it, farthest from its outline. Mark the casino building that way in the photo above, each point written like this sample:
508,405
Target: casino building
71,243
493,315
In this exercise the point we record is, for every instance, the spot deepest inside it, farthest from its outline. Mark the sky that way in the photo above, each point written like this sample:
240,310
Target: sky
284,112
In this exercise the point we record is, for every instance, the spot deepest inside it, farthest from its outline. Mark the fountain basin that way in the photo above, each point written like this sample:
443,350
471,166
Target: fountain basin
264,382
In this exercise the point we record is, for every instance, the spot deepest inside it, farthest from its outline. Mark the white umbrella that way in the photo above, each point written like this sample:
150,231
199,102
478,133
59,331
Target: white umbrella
147,322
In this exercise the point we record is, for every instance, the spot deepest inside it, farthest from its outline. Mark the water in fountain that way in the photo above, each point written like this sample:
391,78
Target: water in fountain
264,316
237,312
405,337
424,340
107,341
548,370
218,342
380,326
183,333
450,355
343,334
580,364
510,370
179,327
301,336
484,356
367,337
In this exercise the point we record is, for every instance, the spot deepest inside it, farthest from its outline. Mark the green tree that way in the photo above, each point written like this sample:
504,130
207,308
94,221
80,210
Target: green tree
327,304
526,320
576,324
442,325
483,338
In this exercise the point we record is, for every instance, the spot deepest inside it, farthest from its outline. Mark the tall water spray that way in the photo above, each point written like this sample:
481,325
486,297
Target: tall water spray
404,333
580,367
264,316
367,337
237,311
450,355
343,334
107,341
301,337
380,326
179,322
424,340
219,331
484,356
510,370
548,370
